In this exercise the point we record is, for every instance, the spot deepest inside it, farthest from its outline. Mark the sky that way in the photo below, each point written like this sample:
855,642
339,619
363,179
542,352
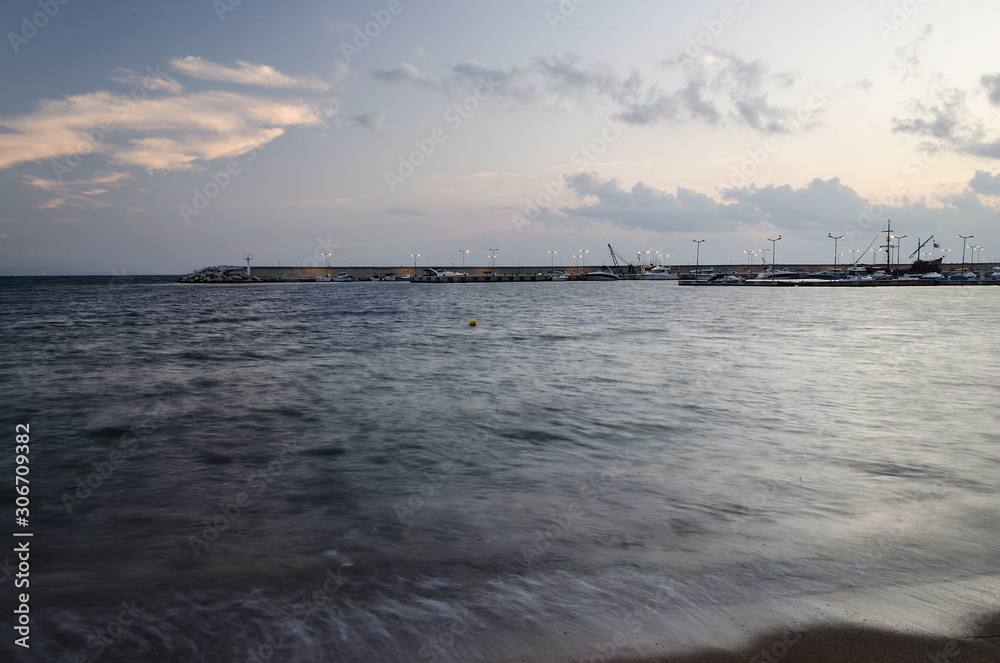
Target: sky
158,137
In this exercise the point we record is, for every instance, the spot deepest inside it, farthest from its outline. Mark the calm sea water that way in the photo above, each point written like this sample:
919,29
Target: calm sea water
350,472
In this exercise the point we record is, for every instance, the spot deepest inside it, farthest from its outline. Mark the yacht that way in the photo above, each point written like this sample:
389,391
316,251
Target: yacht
344,277
323,279
430,271
603,274
778,273
658,273
705,274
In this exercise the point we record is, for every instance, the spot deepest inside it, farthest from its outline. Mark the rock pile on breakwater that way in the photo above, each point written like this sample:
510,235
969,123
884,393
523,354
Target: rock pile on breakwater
220,274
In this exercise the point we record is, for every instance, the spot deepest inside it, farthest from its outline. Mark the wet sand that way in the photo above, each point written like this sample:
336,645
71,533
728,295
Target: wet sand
846,644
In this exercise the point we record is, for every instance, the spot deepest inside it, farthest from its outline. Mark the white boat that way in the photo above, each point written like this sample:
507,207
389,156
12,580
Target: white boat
658,273
705,274
344,277
430,271
603,274
778,273
323,279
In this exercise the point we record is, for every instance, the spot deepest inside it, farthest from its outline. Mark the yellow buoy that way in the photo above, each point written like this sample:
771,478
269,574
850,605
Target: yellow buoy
472,323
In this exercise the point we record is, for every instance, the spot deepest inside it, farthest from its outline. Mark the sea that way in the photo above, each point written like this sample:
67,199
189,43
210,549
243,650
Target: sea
352,472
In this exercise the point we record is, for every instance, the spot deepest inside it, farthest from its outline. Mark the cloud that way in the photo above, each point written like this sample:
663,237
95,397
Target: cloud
245,73
404,73
373,121
171,133
717,88
908,56
985,183
646,207
78,193
944,119
991,82
820,203
823,203
152,80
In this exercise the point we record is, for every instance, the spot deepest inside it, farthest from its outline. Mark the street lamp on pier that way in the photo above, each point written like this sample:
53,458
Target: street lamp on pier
835,239
697,257
463,252
965,241
552,260
493,262
414,256
327,256
774,262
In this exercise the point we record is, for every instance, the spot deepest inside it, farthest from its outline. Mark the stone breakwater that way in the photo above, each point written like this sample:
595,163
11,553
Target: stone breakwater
220,274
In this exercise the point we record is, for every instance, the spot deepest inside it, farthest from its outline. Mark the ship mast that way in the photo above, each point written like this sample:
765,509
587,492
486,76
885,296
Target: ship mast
888,247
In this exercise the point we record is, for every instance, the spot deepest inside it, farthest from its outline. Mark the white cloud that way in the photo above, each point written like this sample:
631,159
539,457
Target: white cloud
171,133
245,73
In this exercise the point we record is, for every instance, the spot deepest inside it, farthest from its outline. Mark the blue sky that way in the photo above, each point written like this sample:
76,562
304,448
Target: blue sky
159,137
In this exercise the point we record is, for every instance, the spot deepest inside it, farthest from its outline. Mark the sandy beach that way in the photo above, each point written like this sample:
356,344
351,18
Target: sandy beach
847,644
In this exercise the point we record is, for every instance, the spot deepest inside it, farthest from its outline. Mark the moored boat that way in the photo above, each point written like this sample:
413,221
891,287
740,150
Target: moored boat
603,274
658,273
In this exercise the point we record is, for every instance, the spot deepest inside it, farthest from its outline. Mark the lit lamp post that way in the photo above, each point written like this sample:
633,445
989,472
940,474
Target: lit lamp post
774,261
552,260
327,255
414,256
835,239
697,257
463,252
493,262
965,241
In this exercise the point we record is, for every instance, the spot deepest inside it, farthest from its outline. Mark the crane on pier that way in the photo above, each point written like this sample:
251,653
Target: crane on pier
620,262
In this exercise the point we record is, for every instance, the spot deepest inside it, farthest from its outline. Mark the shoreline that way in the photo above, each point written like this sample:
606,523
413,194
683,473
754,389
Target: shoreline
842,643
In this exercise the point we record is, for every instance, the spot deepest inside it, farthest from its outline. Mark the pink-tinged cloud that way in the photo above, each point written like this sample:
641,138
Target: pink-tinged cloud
170,133
245,73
